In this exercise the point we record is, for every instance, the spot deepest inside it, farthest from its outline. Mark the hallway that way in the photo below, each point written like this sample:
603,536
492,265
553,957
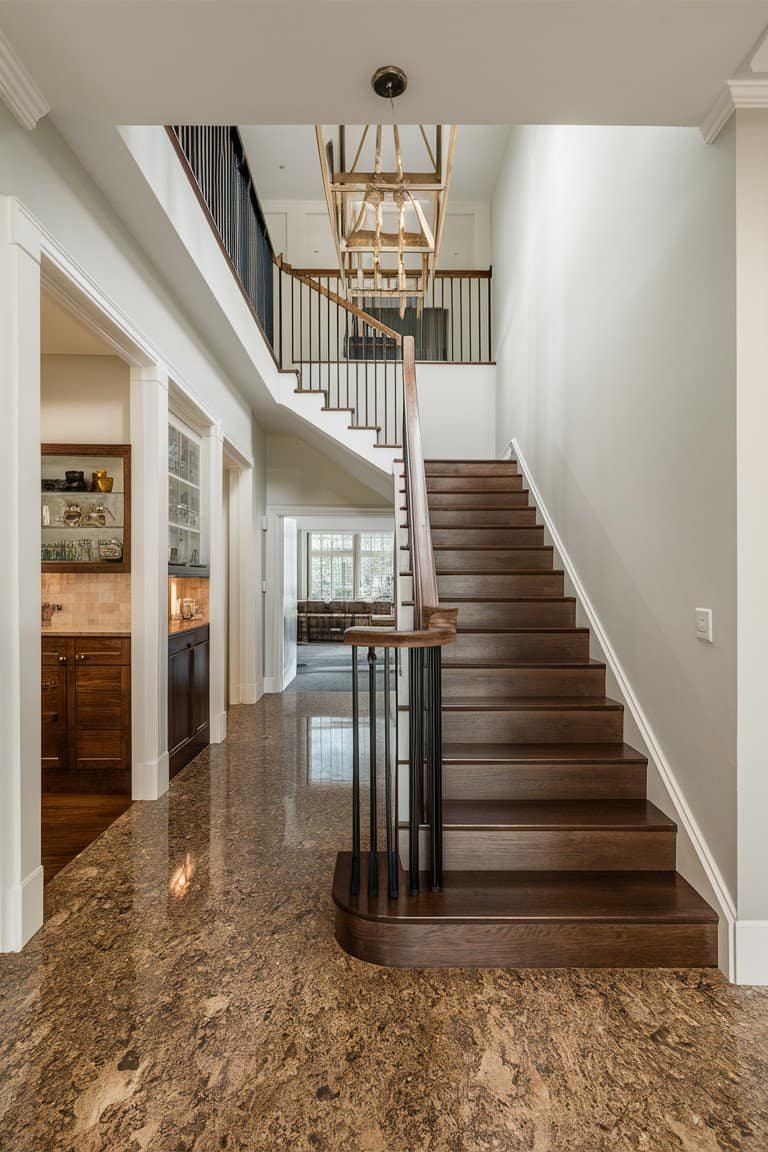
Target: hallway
186,993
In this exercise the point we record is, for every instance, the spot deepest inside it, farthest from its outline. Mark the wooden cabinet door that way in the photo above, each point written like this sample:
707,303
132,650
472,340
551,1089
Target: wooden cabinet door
100,713
200,687
179,698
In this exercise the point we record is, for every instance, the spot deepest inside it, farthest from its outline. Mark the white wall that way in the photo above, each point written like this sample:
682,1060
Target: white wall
85,399
301,231
298,475
457,409
615,294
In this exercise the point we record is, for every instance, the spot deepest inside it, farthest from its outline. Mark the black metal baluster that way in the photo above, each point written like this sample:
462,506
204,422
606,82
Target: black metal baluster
453,322
373,860
390,812
435,766
328,342
338,355
470,282
415,762
479,323
309,313
280,316
366,338
461,320
354,885
319,341
301,334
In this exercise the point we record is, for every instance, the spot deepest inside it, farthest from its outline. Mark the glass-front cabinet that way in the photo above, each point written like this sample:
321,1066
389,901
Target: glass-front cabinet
187,511
85,508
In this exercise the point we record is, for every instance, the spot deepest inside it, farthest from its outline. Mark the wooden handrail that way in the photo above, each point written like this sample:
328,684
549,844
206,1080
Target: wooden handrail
390,274
434,626
308,279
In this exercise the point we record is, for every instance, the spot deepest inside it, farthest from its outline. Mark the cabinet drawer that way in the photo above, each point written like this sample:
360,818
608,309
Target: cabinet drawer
109,650
187,639
56,650
53,697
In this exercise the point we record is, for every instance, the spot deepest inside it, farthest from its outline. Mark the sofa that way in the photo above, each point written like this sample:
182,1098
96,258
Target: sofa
320,622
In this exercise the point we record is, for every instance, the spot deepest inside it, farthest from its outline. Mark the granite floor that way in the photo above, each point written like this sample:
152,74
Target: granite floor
186,993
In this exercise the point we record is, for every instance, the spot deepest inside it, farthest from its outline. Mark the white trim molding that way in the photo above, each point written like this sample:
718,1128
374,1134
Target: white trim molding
751,952
726,907
741,92
19,90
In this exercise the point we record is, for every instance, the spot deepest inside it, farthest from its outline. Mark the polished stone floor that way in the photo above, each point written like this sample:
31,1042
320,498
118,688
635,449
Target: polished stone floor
186,993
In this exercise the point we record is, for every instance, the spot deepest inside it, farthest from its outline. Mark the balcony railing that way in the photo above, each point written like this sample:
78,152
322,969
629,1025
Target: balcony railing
453,323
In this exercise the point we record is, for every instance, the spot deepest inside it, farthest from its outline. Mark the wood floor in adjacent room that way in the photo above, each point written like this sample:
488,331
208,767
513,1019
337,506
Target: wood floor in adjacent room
187,995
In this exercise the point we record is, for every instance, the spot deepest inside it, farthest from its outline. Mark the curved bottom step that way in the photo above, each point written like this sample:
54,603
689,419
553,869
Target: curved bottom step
528,920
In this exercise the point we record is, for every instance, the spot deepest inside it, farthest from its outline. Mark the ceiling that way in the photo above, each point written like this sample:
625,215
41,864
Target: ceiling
285,165
61,334
297,61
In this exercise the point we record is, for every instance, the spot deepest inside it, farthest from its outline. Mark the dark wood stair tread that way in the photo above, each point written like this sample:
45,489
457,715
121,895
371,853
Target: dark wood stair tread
613,897
449,661
527,815
525,753
529,703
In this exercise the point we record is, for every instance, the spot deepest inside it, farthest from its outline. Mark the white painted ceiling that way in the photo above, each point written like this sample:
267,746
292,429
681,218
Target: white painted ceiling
298,61
285,165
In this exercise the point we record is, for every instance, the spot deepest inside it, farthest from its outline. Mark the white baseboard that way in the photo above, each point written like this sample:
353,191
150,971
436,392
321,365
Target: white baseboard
751,952
718,889
272,684
150,779
219,728
21,907
252,693
31,904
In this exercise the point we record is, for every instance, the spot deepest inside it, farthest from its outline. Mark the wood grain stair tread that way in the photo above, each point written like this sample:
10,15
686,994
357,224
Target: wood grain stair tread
496,572
532,897
449,661
528,703
558,815
548,631
526,753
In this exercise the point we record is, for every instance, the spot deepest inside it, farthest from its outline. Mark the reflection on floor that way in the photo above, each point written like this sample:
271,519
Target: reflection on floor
187,994
70,822
328,668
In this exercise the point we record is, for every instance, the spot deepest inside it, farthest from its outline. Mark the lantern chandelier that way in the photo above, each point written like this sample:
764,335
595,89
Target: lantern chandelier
387,221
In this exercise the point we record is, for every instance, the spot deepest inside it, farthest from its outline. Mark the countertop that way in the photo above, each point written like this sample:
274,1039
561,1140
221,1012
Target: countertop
86,630
176,626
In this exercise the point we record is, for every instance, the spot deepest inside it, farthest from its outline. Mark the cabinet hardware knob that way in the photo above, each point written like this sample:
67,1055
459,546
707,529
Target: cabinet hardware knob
62,659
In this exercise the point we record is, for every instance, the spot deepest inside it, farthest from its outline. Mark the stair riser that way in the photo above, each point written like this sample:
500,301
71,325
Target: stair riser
477,484
471,468
534,646
505,584
548,725
458,501
554,945
490,560
501,537
557,614
517,683
471,517
558,849
543,782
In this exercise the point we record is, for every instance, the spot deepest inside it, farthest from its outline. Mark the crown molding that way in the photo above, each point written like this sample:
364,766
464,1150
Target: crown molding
18,89
741,92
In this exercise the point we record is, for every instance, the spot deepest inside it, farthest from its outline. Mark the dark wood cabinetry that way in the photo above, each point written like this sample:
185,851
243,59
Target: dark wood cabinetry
86,714
188,696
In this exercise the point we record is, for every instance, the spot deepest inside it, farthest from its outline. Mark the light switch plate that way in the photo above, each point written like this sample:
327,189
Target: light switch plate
704,625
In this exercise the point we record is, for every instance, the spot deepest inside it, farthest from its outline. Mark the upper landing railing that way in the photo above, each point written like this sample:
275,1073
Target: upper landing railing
453,324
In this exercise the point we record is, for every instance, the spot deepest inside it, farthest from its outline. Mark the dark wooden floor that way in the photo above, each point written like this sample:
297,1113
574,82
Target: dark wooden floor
70,822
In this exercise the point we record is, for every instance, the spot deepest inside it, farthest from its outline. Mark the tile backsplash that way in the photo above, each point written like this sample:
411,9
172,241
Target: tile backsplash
89,599
188,588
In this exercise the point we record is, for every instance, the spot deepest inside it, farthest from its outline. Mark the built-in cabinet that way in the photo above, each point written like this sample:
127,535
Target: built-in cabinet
86,714
85,508
188,696
187,505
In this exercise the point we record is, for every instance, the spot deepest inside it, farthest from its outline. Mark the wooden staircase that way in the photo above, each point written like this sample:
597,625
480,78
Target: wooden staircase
553,855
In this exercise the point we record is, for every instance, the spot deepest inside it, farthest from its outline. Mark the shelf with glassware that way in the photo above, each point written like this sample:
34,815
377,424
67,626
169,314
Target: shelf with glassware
85,508
187,520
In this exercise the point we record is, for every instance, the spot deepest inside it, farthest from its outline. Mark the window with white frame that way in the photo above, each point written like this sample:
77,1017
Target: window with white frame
350,566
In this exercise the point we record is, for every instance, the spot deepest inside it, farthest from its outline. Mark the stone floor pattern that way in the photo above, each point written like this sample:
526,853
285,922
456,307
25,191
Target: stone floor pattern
187,995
